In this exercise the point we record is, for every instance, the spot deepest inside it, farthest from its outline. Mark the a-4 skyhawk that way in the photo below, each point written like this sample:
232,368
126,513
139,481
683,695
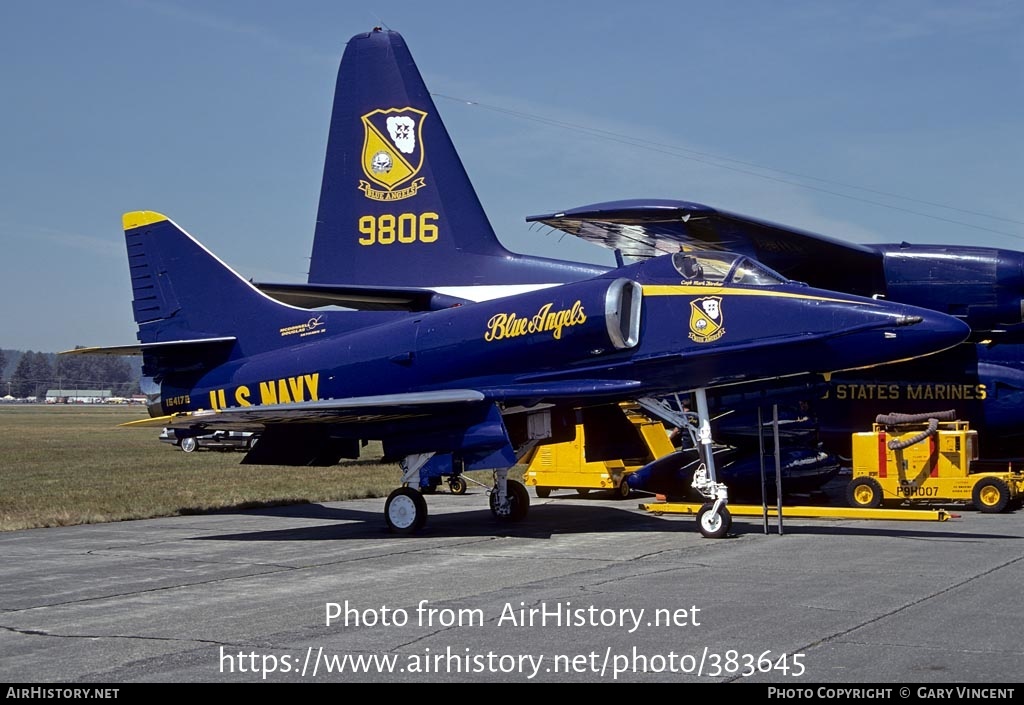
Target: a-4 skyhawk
484,381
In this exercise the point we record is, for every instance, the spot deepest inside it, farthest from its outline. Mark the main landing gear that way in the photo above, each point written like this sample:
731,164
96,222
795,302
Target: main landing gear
405,511
509,499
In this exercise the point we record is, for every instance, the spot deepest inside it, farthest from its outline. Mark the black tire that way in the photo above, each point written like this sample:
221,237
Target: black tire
991,495
458,485
623,490
717,527
542,492
864,492
405,511
189,445
519,501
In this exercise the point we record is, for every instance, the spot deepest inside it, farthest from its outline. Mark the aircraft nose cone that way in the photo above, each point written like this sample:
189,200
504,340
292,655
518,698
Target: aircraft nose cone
915,332
896,333
937,331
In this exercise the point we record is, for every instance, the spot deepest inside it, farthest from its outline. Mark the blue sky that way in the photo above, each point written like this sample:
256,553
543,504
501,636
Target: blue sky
868,121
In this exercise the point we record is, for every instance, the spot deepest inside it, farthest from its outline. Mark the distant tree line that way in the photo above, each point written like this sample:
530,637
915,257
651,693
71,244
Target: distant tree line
35,373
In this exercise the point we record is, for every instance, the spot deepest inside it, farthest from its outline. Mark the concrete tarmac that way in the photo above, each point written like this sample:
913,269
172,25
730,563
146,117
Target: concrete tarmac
586,589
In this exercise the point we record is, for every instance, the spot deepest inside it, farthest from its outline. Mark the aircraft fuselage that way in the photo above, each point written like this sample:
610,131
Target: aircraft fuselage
643,324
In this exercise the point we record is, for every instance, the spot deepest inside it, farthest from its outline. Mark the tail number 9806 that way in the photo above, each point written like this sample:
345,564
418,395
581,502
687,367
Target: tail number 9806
404,228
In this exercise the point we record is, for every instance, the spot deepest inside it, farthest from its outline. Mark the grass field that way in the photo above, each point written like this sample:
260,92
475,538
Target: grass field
71,464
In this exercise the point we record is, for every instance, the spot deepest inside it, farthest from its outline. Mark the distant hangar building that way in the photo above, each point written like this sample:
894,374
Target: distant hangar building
77,396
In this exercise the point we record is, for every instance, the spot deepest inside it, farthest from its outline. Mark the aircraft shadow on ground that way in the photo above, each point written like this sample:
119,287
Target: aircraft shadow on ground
543,522
552,518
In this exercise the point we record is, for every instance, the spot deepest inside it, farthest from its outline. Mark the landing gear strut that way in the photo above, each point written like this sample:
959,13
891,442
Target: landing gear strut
713,519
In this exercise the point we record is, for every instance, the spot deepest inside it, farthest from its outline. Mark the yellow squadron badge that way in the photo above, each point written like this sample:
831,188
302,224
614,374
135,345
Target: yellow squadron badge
706,319
392,153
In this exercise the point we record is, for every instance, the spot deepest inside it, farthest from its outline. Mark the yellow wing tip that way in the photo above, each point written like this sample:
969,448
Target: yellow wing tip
137,219
153,421
169,419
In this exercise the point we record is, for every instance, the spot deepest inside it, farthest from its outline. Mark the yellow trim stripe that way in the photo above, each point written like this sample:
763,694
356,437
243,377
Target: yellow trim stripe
137,219
663,290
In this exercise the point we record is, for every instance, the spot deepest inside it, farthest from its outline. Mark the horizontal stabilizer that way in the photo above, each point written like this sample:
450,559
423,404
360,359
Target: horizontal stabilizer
169,346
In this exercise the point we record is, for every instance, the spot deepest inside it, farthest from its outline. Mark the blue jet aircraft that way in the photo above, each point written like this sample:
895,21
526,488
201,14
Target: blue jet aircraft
484,382
981,286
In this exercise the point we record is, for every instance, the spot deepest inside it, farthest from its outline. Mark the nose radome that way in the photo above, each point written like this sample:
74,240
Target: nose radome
927,332
947,330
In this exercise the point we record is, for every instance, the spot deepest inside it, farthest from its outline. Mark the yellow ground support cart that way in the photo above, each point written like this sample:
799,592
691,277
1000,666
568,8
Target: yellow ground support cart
927,458
564,465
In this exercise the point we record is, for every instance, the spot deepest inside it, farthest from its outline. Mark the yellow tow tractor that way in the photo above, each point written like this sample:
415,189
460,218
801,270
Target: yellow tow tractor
927,458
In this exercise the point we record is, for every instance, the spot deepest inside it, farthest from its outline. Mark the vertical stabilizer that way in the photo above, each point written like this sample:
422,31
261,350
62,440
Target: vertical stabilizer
396,206
181,291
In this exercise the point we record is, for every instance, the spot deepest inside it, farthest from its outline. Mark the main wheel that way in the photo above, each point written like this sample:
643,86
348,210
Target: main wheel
542,492
864,492
405,511
189,444
457,485
518,500
713,526
991,495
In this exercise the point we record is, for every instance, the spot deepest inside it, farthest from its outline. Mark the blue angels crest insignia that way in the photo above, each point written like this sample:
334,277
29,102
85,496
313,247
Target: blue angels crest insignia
392,153
706,323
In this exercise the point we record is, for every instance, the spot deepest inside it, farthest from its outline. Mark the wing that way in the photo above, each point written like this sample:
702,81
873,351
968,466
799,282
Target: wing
319,433
170,354
647,228
354,410
322,432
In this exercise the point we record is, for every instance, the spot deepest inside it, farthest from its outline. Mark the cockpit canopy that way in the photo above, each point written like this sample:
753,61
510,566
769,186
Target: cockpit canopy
724,268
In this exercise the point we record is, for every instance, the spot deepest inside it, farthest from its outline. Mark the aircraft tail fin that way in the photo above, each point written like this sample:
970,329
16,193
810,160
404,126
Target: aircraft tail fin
182,292
396,205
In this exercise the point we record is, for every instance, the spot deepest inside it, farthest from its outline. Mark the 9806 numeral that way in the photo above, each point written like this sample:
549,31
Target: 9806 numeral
404,228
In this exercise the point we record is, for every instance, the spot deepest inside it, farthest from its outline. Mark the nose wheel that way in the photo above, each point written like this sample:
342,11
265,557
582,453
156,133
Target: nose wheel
712,524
